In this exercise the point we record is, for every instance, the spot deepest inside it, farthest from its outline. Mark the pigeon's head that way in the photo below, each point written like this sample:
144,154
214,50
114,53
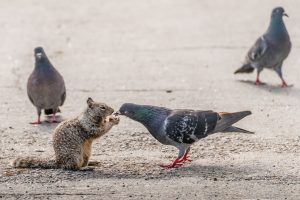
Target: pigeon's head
128,109
39,53
140,113
278,12
148,115
98,111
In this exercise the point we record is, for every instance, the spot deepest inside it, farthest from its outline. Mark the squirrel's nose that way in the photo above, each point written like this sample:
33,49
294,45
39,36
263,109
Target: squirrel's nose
117,113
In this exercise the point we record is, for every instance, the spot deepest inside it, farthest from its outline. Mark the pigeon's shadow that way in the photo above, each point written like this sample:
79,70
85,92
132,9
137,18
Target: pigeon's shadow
272,88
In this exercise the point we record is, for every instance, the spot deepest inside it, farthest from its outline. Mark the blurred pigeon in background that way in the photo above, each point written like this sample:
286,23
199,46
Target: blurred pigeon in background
181,128
45,87
270,50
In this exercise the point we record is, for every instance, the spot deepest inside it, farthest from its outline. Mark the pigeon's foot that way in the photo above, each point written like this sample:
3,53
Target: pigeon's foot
285,85
174,164
185,159
53,120
258,82
185,156
37,122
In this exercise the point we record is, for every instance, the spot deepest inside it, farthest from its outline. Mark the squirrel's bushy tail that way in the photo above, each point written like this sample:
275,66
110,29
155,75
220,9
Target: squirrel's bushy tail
31,162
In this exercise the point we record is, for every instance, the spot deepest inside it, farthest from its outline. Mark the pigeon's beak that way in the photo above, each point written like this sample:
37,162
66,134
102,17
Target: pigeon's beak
38,55
284,14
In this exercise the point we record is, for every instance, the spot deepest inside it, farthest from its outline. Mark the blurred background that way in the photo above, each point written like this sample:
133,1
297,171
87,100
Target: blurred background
120,51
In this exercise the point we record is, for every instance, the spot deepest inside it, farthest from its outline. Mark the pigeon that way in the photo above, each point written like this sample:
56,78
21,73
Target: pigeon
181,128
45,87
270,50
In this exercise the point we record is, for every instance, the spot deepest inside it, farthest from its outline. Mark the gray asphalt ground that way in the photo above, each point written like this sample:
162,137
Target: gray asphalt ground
135,51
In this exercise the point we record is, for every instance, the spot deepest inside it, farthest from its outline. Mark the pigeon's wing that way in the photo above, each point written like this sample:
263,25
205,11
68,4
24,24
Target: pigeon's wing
207,121
189,126
258,50
63,97
29,87
30,98
181,127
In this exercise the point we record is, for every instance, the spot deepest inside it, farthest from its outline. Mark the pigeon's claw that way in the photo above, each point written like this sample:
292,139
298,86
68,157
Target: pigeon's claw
174,164
185,159
53,120
37,122
258,82
284,84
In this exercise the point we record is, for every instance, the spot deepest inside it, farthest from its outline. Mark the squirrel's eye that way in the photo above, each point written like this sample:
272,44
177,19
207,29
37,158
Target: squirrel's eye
102,107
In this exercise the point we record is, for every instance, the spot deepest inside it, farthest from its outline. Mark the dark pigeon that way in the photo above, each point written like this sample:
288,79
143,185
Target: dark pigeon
45,87
182,128
270,50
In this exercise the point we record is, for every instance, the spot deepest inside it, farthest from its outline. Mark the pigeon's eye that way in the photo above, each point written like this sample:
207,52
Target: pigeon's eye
102,107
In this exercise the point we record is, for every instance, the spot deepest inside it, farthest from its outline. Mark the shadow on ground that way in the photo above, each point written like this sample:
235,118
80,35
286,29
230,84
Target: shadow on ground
146,172
272,88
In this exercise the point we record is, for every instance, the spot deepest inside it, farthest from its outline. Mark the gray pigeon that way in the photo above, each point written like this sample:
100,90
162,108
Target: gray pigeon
270,50
181,128
45,87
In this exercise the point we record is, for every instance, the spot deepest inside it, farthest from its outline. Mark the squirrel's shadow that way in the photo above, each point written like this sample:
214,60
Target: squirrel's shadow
210,172
201,171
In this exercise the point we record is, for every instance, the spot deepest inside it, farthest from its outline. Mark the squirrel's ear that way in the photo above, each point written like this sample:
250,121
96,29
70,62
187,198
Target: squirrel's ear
90,102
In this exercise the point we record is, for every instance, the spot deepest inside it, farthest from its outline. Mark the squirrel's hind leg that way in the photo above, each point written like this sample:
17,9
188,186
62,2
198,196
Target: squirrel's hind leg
74,163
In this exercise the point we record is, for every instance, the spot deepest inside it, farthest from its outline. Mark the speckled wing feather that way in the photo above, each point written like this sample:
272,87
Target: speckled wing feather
254,56
189,126
258,50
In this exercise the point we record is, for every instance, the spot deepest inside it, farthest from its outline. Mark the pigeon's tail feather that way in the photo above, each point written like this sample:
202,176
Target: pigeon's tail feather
31,162
227,119
246,68
237,129
51,111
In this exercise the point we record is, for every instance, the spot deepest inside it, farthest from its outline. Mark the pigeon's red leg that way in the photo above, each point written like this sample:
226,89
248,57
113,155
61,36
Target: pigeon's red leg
258,82
284,84
37,122
39,117
175,163
179,161
185,156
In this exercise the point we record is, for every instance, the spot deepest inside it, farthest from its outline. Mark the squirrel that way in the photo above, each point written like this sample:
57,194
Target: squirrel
72,139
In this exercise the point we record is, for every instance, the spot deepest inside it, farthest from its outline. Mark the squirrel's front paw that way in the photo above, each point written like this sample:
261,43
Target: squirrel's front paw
113,119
